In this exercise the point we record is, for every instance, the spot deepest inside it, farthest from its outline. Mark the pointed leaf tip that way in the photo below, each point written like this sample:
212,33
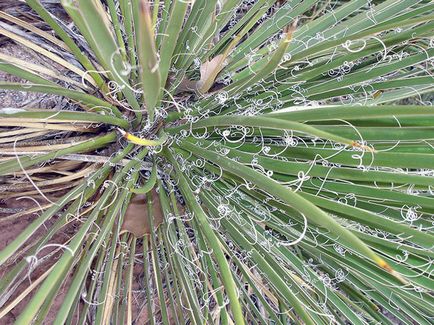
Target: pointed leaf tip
290,29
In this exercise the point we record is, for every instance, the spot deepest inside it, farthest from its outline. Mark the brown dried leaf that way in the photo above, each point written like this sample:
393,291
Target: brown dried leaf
136,220
209,71
187,85
207,68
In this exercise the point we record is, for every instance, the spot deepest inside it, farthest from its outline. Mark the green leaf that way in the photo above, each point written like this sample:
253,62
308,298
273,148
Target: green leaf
146,51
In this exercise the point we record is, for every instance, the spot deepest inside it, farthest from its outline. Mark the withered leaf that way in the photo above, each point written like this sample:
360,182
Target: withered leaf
209,70
136,220
208,73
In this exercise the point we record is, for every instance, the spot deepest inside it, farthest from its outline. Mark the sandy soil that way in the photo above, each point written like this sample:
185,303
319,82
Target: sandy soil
19,99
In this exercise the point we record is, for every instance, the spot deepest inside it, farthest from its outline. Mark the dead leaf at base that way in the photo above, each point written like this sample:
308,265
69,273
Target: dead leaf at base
136,220
209,71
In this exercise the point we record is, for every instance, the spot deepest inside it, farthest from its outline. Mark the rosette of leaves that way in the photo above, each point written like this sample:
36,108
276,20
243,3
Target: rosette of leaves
220,162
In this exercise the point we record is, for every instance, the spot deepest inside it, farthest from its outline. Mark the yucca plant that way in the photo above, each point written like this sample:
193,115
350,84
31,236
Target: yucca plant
219,162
